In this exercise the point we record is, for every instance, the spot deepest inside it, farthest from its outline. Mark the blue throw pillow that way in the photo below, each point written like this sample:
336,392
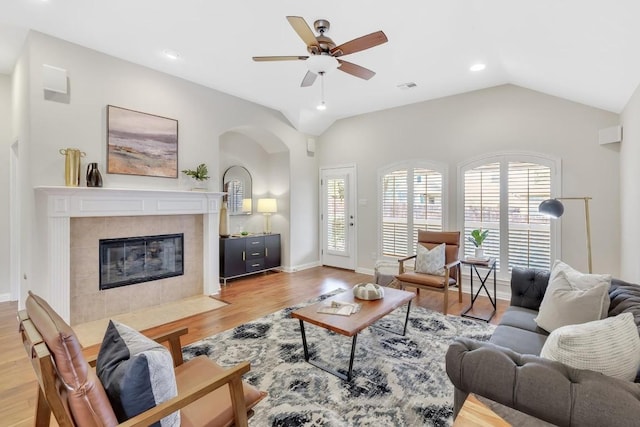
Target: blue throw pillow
136,372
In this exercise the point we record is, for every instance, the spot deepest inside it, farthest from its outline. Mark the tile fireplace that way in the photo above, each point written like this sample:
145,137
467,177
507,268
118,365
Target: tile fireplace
56,206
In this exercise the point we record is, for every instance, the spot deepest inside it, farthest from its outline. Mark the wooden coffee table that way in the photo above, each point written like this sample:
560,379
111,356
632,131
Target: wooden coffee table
350,326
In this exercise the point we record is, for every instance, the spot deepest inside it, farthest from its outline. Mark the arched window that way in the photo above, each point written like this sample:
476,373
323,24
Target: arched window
501,193
411,199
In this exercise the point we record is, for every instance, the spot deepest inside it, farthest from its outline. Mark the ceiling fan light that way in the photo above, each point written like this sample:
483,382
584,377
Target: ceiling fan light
322,106
321,63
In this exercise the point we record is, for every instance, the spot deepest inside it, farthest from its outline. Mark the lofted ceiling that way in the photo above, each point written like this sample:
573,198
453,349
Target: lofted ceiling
582,50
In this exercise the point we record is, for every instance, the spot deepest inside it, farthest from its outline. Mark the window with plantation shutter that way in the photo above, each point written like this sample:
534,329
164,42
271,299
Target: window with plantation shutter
394,213
529,231
411,200
501,194
482,207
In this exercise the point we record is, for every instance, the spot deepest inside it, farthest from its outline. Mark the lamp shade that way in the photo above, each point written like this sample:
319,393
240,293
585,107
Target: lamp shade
551,207
267,206
246,205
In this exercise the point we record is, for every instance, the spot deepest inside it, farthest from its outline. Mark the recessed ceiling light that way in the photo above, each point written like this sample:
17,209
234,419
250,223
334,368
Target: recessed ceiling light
478,67
171,54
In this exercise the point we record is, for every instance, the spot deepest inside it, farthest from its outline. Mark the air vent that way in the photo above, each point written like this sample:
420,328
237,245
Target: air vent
408,85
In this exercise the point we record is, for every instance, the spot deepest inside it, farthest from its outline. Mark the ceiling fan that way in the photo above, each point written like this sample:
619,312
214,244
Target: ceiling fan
324,54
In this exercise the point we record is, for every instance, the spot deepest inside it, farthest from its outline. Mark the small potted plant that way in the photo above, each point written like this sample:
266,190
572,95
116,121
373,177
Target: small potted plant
200,175
477,237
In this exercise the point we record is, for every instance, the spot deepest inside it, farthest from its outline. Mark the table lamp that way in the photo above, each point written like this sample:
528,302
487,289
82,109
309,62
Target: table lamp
267,207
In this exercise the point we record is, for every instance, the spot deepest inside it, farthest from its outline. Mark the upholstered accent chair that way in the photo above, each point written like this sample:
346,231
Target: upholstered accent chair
451,271
68,387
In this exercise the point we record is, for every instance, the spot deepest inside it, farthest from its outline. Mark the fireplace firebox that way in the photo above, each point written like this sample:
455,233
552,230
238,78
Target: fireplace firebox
140,259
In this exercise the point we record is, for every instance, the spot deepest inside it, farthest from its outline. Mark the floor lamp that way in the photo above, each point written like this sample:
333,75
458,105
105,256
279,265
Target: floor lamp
554,208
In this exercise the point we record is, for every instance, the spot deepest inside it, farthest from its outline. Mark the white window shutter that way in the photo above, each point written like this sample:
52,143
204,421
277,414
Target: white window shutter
411,200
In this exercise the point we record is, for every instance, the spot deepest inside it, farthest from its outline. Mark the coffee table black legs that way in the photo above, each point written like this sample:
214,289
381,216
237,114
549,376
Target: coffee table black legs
323,367
347,377
406,321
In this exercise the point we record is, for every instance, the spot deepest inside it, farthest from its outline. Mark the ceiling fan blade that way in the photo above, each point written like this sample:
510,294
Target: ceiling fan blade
355,70
302,28
308,79
279,58
361,43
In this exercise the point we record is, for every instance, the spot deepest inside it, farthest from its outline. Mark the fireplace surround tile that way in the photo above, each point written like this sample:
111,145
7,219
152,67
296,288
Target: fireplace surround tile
83,232
148,294
88,307
84,265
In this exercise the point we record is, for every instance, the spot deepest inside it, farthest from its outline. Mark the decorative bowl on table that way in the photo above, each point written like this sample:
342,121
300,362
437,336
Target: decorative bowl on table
368,291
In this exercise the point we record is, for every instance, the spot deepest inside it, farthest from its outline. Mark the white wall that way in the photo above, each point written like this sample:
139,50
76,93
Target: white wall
270,178
96,80
5,147
241,150
455,129
630,190
21,256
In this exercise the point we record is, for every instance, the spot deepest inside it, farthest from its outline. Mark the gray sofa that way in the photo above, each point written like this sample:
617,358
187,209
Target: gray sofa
507,369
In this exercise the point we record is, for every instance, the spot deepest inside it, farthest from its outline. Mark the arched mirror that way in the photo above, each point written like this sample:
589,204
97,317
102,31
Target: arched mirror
236,182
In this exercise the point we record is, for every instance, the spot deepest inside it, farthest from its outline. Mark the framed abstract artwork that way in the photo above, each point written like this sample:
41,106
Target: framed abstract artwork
141,144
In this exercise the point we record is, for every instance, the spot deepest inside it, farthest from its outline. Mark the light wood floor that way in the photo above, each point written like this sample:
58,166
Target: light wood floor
248,298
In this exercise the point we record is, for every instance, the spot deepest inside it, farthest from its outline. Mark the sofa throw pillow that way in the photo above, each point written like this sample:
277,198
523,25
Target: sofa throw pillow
136,372
610,346
572,298
581,281
431,261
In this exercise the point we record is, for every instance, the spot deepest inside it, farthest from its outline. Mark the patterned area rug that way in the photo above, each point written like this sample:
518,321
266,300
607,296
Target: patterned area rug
397,381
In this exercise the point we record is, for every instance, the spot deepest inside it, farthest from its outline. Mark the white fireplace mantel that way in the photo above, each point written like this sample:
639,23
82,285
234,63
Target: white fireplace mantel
55,206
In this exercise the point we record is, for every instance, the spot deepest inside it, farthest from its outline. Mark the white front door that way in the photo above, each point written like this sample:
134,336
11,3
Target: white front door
338,218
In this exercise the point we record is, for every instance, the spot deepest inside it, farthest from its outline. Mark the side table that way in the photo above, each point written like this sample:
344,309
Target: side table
490,267
474,413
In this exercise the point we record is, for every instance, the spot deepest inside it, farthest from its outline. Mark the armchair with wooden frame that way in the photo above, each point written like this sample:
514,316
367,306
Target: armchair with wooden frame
452,276
208,395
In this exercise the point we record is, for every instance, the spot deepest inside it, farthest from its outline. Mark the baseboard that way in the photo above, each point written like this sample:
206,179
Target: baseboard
293,269
362,270
5,297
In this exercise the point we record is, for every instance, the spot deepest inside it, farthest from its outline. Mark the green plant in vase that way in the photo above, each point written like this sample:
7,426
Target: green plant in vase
477,237
200,175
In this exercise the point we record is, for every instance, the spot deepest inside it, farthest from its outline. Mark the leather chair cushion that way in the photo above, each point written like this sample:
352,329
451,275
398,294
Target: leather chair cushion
431,239
215,408
421,279
88,402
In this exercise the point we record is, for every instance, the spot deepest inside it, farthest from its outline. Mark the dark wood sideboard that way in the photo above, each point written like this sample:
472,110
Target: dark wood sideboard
243,255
